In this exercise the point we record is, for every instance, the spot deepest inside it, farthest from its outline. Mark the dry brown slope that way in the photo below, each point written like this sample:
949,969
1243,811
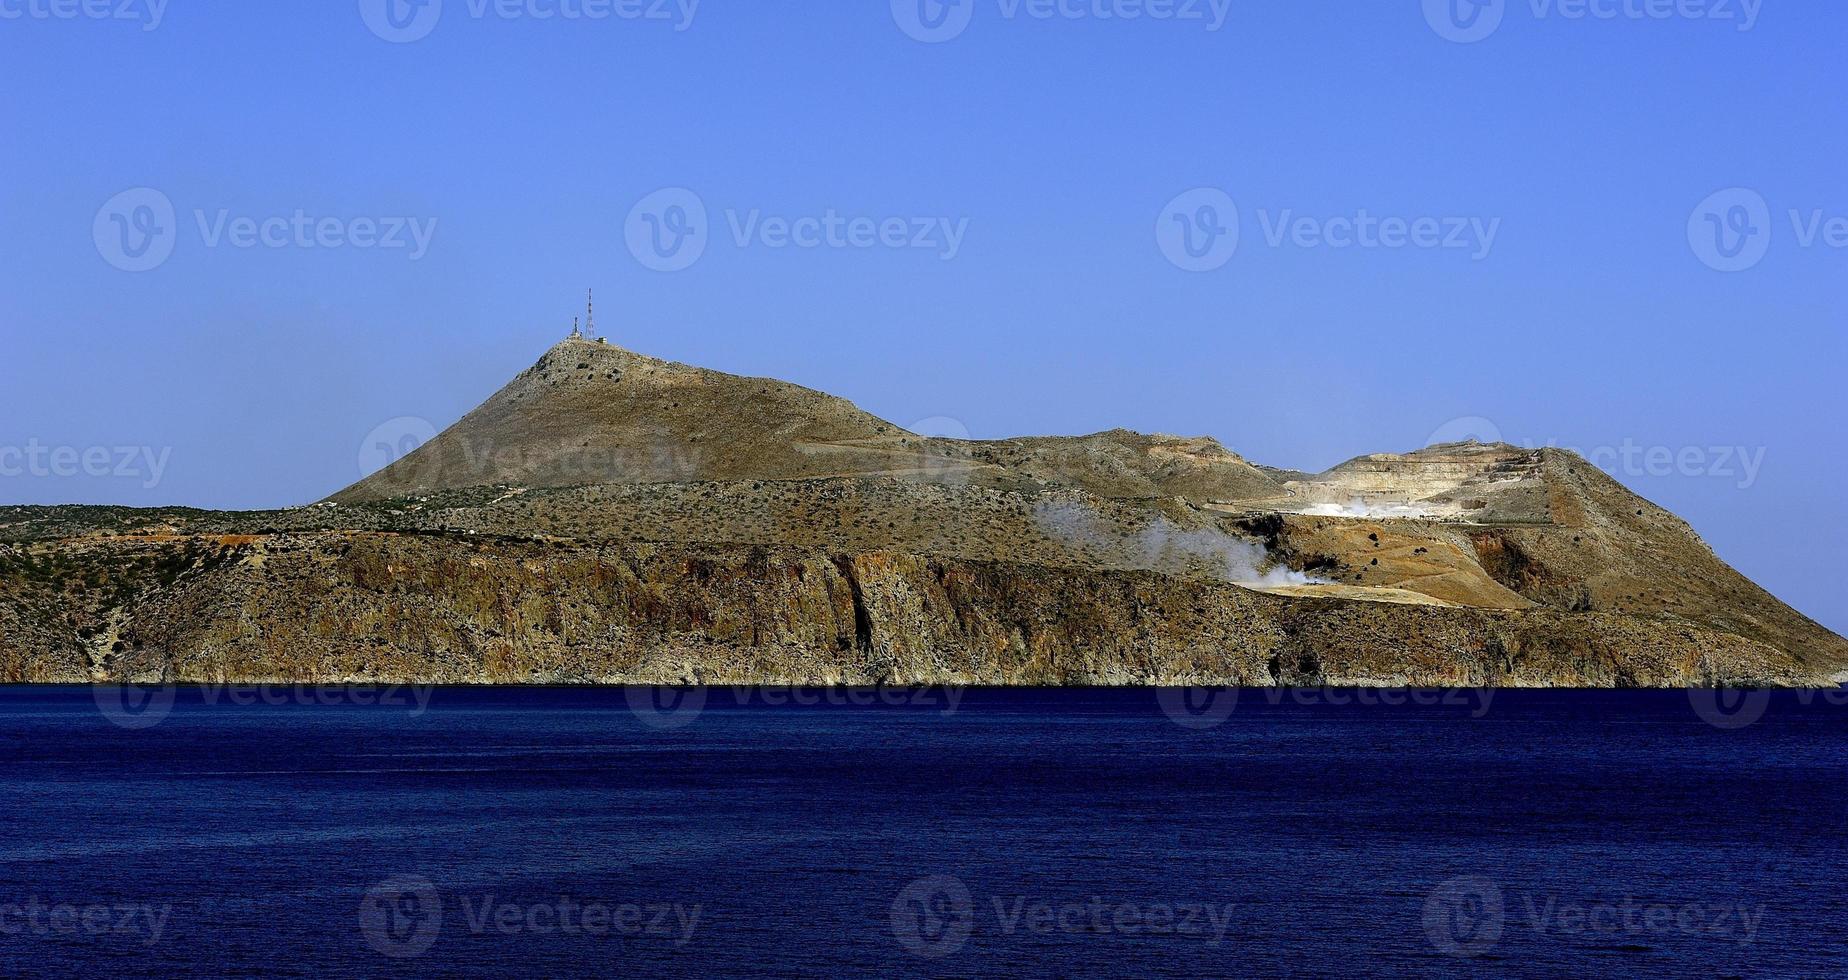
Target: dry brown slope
1543,523
590,413
1608,549
1483,482
337,606
594,413
621,446
1122,463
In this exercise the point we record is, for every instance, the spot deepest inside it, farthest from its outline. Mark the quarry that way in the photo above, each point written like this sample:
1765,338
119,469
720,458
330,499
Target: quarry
609,517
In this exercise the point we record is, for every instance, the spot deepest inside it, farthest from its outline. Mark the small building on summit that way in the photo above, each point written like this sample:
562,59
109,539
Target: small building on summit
589,328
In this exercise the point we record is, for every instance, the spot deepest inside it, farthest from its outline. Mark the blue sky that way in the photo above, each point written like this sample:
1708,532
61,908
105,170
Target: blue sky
1615,226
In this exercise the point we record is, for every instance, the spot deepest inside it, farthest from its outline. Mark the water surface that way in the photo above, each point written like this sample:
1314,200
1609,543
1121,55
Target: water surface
961,833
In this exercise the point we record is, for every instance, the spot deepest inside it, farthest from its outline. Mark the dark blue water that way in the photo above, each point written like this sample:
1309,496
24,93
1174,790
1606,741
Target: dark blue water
966,833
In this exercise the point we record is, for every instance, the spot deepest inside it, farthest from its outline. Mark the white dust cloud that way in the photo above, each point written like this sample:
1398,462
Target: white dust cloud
1161,545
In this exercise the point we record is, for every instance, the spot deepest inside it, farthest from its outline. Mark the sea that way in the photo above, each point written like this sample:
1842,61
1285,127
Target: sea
367,831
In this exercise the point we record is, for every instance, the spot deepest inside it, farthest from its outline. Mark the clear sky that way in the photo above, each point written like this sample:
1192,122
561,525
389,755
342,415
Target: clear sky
1018,213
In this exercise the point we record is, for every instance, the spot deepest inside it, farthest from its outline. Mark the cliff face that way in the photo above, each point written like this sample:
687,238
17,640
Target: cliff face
334,606
609,517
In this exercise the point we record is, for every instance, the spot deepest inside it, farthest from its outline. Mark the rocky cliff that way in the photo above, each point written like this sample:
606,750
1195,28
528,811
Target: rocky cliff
332,606
612,518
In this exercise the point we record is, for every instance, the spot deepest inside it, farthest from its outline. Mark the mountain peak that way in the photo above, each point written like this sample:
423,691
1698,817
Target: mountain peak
591,412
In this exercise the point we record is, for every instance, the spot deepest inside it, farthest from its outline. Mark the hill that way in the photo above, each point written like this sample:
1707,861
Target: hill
610,517
593,413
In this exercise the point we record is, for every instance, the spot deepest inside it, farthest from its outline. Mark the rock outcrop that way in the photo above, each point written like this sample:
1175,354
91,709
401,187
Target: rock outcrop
613,518
334,606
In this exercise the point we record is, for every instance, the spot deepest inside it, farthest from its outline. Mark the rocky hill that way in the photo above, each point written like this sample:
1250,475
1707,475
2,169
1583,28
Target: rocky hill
593,413
611,517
